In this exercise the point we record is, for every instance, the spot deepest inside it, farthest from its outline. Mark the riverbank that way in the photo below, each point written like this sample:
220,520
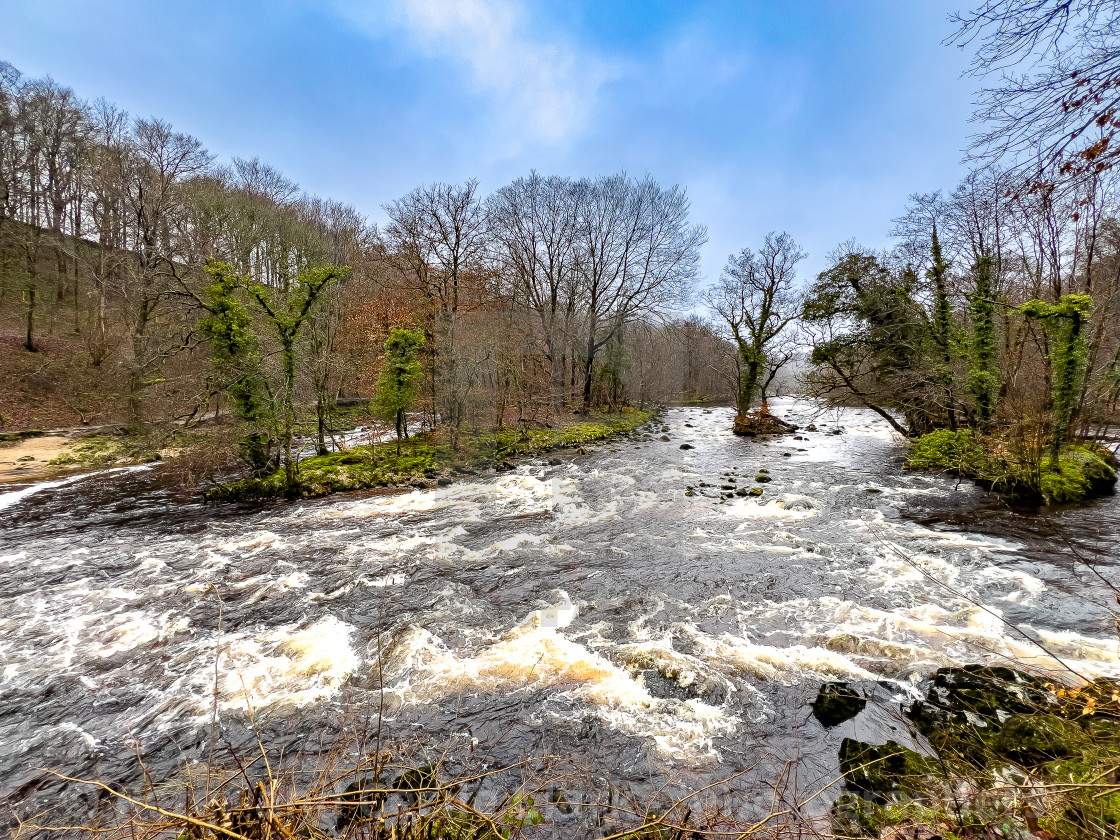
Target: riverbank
1006,754
428,459
38,455
1084,471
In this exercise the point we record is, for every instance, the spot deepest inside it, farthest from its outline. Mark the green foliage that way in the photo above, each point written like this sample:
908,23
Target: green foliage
227,325
423,457
400,376
1081,471
983,376
1069,355
958,453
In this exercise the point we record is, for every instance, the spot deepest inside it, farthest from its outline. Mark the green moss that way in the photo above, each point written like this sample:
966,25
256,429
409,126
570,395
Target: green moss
886,769
955,452
424,456
1083,471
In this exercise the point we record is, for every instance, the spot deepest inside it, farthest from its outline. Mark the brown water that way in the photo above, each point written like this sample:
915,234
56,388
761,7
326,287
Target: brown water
537,610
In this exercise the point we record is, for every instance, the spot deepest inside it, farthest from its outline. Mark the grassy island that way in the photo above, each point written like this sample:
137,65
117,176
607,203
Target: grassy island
1082,471
427,458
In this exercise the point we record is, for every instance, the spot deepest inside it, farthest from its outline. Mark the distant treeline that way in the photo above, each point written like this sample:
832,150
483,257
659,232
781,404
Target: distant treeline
127,250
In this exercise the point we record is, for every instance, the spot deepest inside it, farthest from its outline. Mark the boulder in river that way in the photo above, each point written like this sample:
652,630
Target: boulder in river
836,703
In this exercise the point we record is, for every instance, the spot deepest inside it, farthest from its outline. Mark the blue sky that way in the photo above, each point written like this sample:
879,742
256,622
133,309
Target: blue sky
814,116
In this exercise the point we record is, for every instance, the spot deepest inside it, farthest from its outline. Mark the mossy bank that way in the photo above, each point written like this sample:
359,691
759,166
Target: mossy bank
1007,755
1083,471
427,458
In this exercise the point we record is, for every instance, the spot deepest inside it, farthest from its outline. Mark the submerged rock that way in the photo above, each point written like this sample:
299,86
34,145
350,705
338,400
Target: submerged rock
836,703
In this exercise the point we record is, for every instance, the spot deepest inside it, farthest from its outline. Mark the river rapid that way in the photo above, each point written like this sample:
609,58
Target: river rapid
586,608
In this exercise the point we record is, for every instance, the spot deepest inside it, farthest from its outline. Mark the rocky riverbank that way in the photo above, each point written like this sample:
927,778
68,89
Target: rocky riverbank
1006,754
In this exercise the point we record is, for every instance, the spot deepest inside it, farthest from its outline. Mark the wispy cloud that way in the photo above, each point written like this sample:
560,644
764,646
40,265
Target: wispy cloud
544,89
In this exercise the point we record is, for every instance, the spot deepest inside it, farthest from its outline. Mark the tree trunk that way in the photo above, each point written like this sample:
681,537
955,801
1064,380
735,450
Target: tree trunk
288,406
29,342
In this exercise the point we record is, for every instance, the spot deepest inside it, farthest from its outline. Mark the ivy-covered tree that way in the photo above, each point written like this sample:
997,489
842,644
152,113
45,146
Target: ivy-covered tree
287,313
757,299
1069,354
941,327
400,376
235,355
983,374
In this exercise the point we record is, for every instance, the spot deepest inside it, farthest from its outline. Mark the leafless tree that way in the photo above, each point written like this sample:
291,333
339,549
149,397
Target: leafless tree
636,253
532,224
1053,109
757,299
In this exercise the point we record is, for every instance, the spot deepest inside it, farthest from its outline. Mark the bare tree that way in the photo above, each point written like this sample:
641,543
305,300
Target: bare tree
437,235
636,253
1059,117
757,299
532,224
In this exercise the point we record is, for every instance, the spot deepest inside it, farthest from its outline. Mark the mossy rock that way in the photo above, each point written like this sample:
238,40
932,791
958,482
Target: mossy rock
664,438
856,816
836,703
882,770
1030,740
763,478
742,492
755,491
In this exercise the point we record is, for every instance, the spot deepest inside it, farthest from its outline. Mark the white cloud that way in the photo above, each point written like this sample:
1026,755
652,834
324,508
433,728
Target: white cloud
544,90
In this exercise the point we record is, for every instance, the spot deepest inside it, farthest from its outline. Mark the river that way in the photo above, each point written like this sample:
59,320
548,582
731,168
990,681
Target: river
586,608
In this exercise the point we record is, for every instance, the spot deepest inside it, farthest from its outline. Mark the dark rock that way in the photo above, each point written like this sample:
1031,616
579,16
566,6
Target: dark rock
686,446
742,491
872,489
361,800
836,703
664,437
811,427
443,482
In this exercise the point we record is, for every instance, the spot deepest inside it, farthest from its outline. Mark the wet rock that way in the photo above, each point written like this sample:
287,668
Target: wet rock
883,770
361,801
755,491
786,454
1035,739
743,491
836,431
836,703
727,487
872,490
443,482
811,427
762,478
664,437
689,493
25,458
686,446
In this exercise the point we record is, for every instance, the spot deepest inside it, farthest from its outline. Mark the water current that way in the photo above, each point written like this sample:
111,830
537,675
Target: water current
586,606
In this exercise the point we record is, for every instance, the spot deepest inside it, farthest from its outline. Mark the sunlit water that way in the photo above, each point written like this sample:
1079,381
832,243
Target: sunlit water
535,610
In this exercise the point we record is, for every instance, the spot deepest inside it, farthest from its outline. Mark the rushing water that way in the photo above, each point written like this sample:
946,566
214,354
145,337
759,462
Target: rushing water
587,606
